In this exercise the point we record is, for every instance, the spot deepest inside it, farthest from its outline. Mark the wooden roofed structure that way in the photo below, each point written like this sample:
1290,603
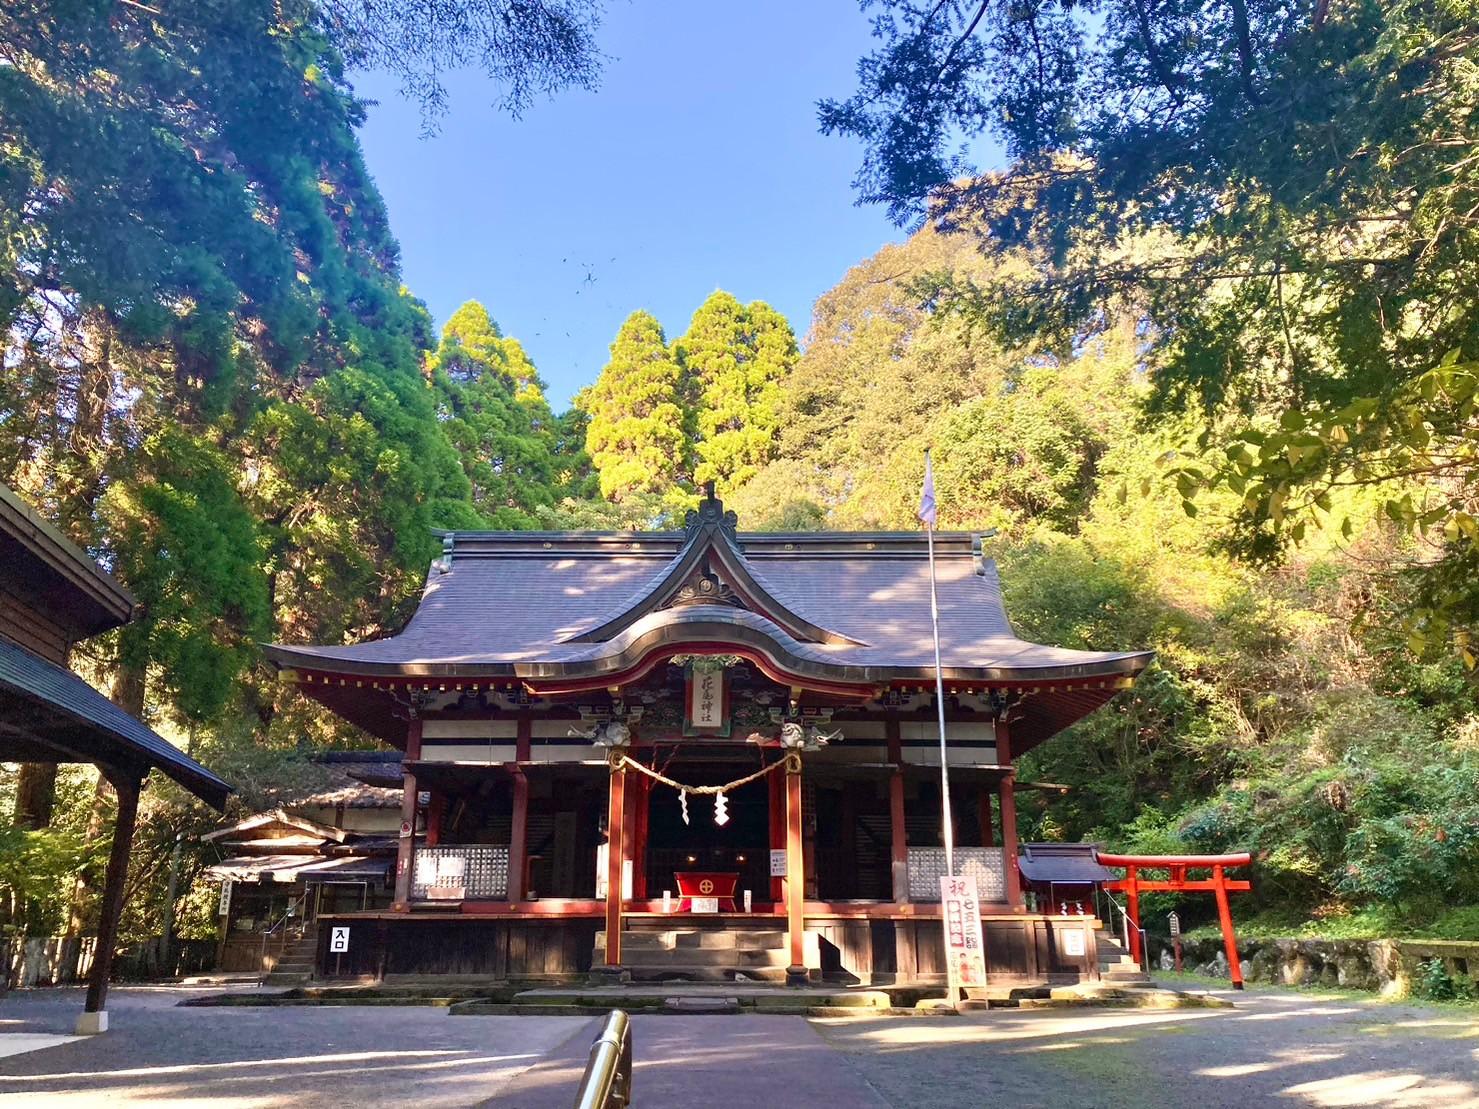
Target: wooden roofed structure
547,679
52,594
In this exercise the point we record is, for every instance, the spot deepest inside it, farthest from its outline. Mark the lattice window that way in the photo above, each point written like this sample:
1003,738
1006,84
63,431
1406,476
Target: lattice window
985,864
461,873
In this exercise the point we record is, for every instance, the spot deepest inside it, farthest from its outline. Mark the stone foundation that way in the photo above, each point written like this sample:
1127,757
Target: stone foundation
1387,966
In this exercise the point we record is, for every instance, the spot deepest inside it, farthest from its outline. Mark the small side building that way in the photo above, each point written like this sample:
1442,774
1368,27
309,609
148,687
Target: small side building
52,594
327,848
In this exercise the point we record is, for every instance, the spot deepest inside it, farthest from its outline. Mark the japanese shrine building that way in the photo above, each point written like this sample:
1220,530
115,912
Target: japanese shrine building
554,686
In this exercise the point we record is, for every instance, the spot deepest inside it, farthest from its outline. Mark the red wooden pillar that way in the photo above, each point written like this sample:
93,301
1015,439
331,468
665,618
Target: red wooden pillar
898,832
1132,910
615,850
776,783
1224,916
434,815
405,855
518,837
795,875
1008,798
634,835
127,785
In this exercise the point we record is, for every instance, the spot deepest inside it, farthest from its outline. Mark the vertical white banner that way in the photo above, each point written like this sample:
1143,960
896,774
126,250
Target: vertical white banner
965,948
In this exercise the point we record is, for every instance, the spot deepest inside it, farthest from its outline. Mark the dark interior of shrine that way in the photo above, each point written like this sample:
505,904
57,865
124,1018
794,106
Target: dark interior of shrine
740,845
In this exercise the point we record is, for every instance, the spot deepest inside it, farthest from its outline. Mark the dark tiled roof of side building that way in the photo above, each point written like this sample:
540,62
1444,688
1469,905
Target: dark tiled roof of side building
60,691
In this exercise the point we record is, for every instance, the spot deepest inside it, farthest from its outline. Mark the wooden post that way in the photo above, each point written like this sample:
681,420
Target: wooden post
127,784
1224,916
405,854
776,784
434,815
1008,799
642,800
614,853
898,831
983,816
518,836
795,875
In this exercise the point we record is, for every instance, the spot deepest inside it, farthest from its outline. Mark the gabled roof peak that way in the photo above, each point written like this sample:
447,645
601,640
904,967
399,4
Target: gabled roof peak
711,516
710,569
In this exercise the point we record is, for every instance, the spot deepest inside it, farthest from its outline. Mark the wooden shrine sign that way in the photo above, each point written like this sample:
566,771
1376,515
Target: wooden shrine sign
965,948
706,701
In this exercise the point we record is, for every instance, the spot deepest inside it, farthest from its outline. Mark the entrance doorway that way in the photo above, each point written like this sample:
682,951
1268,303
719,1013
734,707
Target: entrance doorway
740,846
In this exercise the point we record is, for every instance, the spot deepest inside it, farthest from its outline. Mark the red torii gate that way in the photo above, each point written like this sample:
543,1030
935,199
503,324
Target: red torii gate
1219,884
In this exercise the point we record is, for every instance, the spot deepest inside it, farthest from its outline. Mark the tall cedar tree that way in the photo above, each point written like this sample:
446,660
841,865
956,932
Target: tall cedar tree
491,404
637,435
733,358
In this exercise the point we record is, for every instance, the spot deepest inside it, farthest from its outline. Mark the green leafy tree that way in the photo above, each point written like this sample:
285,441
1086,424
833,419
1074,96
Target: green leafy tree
491,404
1284,191
733,358
189,547
637,435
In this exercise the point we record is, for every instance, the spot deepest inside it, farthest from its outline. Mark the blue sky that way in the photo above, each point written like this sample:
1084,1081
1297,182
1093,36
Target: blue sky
697,165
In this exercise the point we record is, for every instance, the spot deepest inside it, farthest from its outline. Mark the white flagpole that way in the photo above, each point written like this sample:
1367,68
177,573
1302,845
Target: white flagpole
947,822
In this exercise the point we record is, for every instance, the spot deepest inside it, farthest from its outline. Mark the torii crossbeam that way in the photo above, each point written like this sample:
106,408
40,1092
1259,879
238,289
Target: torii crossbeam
1219,884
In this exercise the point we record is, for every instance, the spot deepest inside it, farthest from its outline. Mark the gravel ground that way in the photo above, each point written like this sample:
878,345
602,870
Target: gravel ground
242,1058
1277,1047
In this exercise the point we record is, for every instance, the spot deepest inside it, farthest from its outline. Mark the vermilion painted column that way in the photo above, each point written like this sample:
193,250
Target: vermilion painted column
1132,910
1224,916
898,832
614,854
776,783
405,855
1008,800
518,837
795,875
94,1012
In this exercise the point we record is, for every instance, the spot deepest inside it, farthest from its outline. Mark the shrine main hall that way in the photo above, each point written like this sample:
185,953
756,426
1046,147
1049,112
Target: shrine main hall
702,755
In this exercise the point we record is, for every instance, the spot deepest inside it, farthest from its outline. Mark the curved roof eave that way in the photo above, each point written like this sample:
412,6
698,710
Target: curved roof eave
669,631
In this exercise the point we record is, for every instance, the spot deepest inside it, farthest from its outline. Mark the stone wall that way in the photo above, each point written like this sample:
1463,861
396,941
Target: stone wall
1384,965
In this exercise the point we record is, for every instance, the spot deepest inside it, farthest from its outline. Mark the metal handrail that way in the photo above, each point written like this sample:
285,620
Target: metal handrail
271,930
1125,927
608,1075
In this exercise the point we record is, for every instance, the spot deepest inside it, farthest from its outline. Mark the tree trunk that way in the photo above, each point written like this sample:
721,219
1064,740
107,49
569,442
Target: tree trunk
35,795
128,694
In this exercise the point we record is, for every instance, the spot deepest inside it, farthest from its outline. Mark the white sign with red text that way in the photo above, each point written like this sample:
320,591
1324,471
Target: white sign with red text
965,949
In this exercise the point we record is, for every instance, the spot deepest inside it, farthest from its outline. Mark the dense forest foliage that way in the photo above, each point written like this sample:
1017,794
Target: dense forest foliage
1206,372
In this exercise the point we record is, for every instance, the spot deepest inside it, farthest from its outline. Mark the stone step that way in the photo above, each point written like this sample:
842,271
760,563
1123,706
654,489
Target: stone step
284,978
676,939
696,957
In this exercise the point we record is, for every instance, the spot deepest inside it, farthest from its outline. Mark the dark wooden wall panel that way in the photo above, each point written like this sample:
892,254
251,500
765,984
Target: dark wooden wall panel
25,626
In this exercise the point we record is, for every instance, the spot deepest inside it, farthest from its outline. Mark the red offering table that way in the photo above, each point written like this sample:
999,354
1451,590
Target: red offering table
707,883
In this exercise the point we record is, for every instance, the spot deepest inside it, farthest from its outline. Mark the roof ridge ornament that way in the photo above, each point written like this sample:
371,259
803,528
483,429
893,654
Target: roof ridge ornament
711,515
